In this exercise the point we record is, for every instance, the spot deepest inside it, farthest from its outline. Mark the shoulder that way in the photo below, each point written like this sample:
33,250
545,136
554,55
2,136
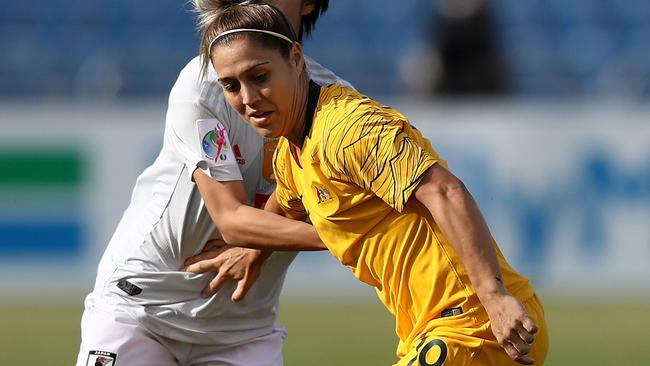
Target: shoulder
321,75
195,96
347,120
191,85
188,83
348,106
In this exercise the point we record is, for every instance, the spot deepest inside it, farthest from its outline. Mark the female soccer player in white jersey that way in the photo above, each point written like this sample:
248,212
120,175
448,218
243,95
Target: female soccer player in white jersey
144,309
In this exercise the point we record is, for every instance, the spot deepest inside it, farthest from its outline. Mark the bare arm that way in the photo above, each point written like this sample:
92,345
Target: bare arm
246,226
458,216
272,205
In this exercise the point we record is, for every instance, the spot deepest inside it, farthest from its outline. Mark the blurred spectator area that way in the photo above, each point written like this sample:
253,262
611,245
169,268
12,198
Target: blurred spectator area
126,48
96,48
577,47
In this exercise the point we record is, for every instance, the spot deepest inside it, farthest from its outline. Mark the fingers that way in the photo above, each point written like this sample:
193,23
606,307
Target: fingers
524,334
214,244
215,285
203,262
521,347
524,330
200,263
529,325
515,355
513,327
229,263
525,360
519,341
243,286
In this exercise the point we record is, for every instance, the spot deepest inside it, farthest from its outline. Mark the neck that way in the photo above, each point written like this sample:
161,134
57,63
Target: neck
297,133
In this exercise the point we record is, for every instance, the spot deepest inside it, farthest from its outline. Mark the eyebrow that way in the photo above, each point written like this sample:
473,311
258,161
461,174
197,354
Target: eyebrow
245,71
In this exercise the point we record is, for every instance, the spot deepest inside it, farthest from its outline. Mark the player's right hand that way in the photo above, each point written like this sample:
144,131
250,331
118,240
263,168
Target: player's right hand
229,263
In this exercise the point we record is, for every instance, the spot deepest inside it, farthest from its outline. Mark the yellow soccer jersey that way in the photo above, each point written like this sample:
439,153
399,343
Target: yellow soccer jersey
361,161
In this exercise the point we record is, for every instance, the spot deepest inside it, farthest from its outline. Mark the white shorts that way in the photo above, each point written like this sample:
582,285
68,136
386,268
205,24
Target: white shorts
116,339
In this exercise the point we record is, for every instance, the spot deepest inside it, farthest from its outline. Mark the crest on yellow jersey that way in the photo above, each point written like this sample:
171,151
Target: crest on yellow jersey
324,194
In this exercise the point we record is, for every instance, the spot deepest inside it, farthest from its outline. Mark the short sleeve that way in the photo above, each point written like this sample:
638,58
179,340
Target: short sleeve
196,136
217,157
385,156
285,190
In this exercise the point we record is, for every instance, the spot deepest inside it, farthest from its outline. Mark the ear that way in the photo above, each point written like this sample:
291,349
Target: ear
307,7
296,57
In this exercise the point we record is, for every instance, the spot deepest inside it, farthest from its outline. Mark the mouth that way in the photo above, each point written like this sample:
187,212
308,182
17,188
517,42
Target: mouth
259,118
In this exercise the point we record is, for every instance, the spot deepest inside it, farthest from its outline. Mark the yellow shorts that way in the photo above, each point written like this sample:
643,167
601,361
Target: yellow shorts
447,345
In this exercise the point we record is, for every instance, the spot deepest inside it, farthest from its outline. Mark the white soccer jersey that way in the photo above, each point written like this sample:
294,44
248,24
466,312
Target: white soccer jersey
167,222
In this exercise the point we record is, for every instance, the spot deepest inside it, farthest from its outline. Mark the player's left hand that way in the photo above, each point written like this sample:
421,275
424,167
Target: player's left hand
513,328
229,263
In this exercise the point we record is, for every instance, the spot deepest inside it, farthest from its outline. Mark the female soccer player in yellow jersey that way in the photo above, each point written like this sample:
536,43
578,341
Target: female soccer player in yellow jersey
381,199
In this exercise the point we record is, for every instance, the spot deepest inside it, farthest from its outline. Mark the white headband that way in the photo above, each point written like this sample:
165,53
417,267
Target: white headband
281,36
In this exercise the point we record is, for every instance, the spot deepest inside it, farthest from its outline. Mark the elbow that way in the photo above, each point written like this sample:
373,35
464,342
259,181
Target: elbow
450,189
455,190
320,246
440,197
439,184
455,195
229,230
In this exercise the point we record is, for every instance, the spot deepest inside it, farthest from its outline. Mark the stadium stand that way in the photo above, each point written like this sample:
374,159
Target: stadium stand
123,48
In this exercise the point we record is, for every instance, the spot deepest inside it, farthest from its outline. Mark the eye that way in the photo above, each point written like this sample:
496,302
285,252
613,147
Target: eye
261,77
230,87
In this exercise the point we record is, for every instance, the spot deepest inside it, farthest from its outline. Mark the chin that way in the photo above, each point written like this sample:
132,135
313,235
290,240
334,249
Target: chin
266,133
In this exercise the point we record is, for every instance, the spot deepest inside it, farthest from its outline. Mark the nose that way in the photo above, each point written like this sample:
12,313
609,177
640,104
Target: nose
249,94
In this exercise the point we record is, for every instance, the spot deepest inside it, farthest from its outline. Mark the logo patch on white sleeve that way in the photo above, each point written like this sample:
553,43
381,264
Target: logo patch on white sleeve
101,358
215,145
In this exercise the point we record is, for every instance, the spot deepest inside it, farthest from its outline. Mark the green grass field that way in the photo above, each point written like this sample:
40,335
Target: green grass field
358,333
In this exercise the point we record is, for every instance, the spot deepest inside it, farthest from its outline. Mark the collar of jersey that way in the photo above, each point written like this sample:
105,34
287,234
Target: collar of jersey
312,102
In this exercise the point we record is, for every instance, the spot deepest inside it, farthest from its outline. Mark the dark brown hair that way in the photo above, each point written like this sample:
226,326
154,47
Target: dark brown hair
309,20
205,8
249,15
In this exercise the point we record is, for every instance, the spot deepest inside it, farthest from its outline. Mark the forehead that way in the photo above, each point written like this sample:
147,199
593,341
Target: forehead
240,55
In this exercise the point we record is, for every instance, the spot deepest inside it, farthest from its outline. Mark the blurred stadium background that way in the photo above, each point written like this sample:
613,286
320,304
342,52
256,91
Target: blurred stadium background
541,106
